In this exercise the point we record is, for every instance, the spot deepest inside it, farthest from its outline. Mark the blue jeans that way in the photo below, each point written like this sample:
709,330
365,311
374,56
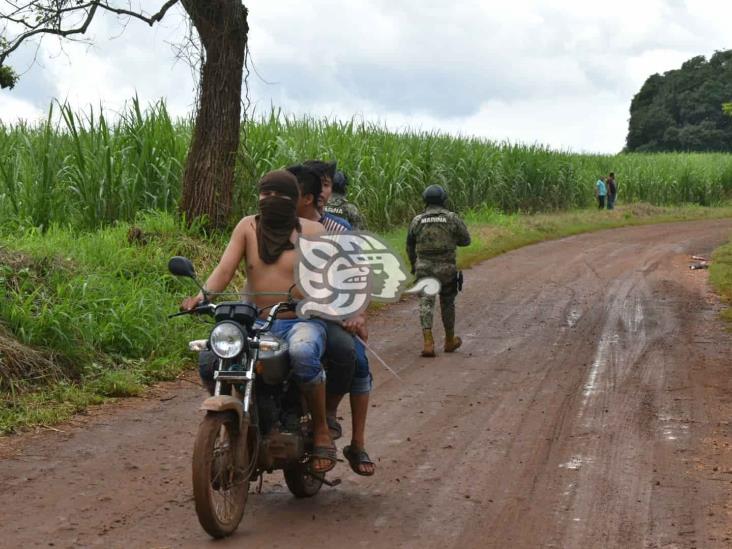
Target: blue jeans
611,201
340,359
306,339
362,383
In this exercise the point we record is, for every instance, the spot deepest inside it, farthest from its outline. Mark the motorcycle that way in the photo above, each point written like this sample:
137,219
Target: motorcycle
256,420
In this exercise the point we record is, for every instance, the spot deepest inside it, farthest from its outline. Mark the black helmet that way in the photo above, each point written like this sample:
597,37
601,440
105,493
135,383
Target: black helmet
340,182
434,194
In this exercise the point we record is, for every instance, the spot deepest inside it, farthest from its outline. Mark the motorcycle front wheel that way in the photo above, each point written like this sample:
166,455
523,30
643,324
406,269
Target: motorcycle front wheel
301,482
220,473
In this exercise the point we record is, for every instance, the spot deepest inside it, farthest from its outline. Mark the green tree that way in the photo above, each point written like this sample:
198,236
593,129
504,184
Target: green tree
221,32
679,110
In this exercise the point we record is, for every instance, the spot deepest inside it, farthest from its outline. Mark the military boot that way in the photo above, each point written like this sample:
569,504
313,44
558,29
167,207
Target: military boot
429,343
452,342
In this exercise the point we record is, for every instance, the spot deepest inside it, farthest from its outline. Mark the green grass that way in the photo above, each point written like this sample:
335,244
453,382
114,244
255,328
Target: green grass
494,233
84,171
720,275
86,311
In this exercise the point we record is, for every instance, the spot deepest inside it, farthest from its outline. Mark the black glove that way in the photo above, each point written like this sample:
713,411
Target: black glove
459,278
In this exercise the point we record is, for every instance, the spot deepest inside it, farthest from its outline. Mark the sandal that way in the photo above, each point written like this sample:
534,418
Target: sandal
323,452
356,457
336,431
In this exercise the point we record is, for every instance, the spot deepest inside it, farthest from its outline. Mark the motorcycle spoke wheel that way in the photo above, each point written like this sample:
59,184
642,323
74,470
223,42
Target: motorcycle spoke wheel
220,467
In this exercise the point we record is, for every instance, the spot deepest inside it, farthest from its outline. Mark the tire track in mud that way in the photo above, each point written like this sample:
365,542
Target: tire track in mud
581,411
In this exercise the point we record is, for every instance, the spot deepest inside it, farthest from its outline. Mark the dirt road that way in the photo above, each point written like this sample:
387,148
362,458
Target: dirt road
590,406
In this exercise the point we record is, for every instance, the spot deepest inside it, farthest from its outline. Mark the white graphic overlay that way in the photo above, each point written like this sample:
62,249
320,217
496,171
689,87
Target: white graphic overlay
425,286
339,274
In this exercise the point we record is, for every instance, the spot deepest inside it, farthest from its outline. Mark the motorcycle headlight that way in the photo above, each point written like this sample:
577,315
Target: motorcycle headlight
227,340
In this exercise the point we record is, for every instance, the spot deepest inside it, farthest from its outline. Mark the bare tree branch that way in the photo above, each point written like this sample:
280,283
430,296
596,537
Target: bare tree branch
149,20
51,23
49,30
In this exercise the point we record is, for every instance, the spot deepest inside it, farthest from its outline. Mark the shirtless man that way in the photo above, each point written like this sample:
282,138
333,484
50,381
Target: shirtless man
266,244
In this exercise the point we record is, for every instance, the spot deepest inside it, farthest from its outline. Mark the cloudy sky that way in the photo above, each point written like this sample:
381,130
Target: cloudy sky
559,72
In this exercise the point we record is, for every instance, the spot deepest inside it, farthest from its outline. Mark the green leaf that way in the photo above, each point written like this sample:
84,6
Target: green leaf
8,77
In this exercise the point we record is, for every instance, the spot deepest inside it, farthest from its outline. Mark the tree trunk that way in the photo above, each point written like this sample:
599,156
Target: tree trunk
208,179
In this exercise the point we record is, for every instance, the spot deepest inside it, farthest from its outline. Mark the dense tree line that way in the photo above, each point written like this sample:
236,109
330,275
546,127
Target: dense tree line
681,110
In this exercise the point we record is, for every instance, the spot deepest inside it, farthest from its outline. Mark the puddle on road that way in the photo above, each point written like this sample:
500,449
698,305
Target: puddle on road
571,489
634,318
613,351
673,429
572,318
602,358
575,462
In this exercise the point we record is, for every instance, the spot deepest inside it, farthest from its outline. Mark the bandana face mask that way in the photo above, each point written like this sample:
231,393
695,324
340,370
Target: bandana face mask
277,210
278,215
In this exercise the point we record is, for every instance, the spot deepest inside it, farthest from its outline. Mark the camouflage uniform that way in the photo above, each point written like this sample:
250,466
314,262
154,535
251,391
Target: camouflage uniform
431,242
339,205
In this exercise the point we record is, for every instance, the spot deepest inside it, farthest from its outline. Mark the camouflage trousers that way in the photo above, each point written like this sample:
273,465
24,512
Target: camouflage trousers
446,273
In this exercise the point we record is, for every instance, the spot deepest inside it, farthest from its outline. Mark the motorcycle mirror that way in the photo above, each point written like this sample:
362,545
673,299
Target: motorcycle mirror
181,266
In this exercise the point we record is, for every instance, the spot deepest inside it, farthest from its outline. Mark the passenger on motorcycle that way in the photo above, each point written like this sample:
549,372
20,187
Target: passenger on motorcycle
311,207
266,244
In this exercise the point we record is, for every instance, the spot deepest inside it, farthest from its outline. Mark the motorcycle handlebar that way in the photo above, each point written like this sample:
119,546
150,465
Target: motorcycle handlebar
281,306
210,309
204,308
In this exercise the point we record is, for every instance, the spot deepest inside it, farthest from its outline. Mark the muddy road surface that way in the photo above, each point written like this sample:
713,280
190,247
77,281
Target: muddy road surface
590,406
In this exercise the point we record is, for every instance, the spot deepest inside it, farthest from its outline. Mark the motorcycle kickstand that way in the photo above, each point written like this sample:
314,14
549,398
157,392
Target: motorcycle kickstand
331,483
258,490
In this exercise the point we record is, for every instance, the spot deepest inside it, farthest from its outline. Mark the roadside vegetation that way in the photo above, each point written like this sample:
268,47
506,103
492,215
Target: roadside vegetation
720,275
88,222
84,171
83,315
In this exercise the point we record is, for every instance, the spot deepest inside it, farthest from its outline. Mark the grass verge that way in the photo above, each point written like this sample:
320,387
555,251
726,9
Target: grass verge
720,275
83,315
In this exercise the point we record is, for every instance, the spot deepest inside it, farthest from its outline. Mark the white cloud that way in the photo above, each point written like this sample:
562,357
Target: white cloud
13,109
561,73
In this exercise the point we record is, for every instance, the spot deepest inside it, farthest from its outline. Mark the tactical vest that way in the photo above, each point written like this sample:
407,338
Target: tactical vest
434,237
337,206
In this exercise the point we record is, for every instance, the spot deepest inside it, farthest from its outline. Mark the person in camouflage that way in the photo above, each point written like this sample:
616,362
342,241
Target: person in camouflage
431,241
340,206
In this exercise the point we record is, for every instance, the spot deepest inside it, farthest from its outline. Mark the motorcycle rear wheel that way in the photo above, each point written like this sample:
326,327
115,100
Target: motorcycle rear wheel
220,467
301,482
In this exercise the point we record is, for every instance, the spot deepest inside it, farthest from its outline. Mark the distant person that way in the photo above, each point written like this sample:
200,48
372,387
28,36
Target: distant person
340,206
431,242
600,193
612,191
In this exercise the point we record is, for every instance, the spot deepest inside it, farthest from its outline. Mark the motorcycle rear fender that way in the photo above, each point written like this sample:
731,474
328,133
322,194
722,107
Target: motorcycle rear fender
224,403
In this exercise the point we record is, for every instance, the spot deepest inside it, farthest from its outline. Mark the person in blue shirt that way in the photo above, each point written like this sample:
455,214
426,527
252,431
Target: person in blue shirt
600,193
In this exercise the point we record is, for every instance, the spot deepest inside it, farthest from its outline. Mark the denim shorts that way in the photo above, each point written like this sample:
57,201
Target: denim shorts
306,339
362,380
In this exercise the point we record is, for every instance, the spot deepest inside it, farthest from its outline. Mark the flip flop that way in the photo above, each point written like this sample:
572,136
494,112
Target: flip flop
336,431
356,457
323,452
